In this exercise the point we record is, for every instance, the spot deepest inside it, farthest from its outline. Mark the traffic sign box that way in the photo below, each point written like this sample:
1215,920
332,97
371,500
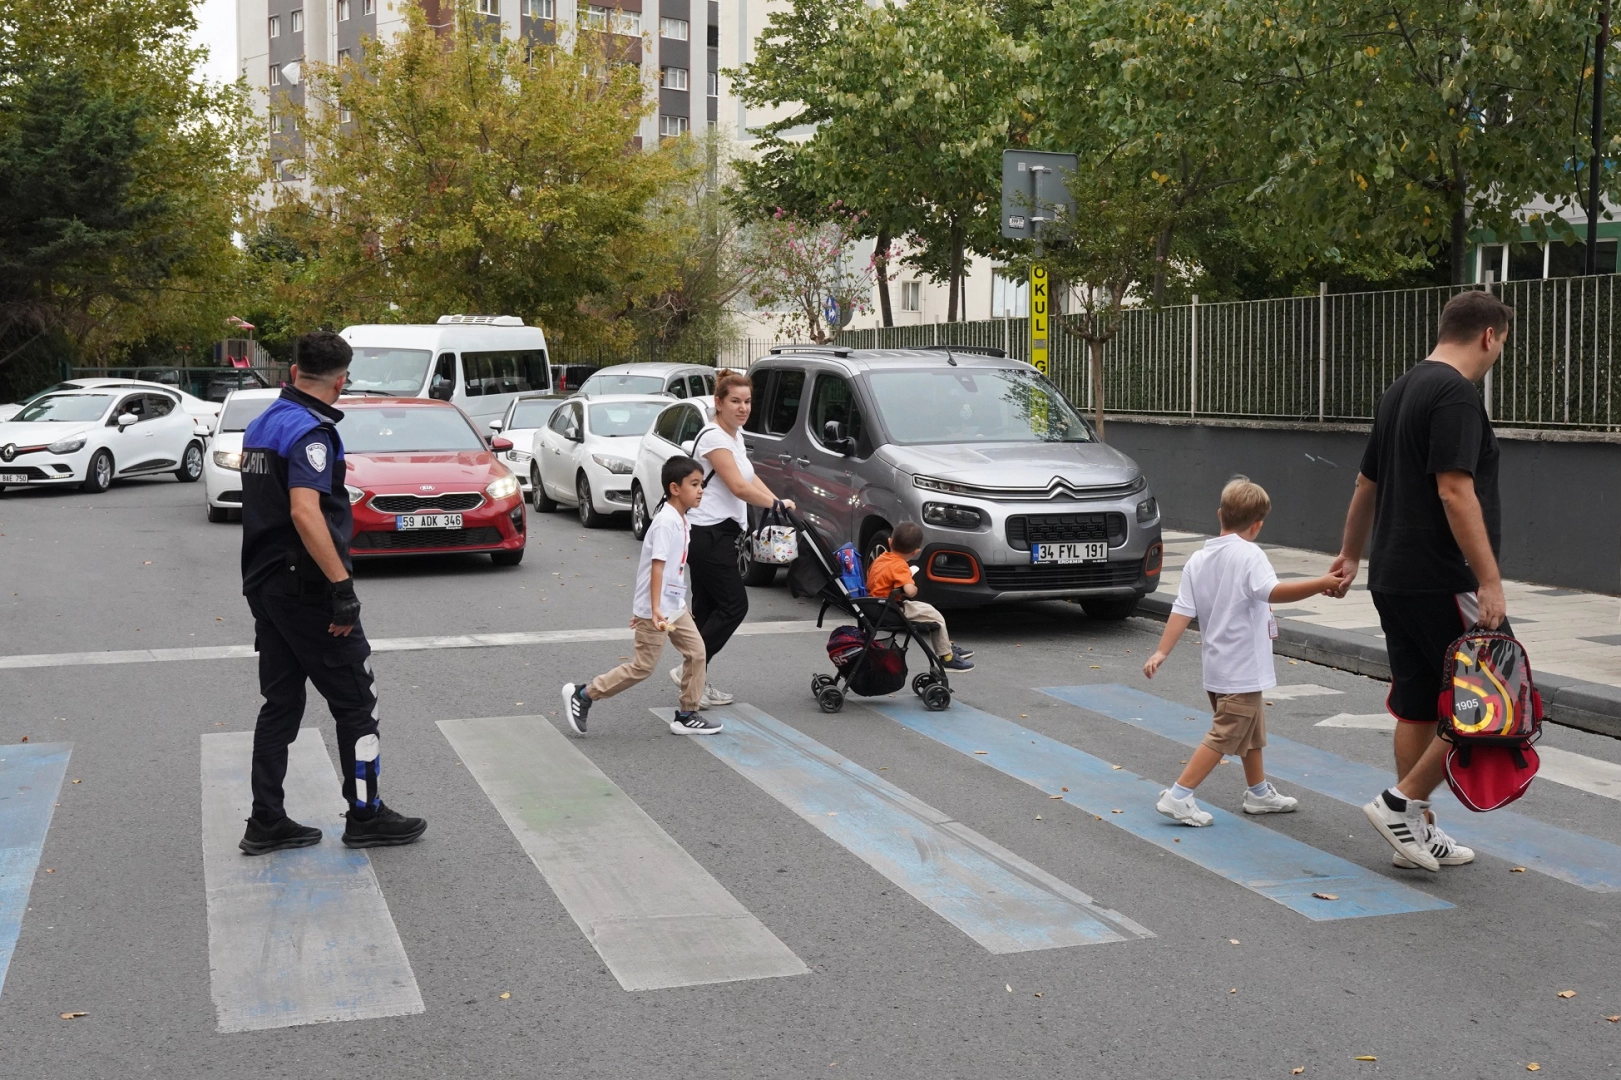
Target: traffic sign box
1050,197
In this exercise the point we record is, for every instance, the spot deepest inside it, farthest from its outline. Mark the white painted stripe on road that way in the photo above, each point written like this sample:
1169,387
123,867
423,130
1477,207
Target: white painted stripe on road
1300,690
656,917
416,644
301,936
1374,721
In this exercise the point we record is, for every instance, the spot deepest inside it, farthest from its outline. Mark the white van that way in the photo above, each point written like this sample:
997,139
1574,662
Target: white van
479,362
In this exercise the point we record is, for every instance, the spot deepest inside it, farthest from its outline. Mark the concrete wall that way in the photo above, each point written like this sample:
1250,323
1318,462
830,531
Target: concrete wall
1561,499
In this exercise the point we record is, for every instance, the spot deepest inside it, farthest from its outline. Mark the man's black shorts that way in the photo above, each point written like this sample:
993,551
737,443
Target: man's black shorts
1418,628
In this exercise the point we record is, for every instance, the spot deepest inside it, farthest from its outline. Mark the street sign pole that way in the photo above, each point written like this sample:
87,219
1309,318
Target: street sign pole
1039,310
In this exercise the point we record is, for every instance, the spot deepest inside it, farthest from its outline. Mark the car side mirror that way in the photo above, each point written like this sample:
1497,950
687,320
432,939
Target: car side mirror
500,445
835,439
495,425
126,419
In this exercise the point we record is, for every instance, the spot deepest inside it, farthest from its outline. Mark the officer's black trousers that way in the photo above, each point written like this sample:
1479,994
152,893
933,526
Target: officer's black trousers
290,632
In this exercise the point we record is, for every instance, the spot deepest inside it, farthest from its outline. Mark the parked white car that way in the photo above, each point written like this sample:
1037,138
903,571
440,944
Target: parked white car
524,417
676,380
584,455
202,413
222,466
91,437
673,432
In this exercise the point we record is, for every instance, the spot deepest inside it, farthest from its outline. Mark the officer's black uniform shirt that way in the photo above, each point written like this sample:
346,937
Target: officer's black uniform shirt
294,443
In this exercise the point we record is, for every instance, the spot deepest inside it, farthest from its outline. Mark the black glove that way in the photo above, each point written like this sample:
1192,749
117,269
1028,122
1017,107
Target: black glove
345,604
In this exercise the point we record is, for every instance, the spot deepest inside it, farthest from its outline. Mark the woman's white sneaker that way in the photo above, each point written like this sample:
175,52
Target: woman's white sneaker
1447,852
714,696
1184,810
1273,802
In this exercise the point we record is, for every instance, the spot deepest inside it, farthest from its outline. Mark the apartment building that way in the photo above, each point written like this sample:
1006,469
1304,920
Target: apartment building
677,44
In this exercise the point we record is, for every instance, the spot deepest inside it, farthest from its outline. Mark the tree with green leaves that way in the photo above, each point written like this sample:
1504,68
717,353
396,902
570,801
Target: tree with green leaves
794,266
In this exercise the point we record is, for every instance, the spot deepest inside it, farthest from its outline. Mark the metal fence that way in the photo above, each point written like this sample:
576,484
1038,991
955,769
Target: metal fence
1326,357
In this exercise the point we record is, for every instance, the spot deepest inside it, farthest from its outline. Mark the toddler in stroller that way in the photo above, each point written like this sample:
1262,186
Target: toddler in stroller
870,656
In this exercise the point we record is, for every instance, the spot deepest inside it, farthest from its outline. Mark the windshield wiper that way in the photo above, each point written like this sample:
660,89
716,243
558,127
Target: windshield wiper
383,393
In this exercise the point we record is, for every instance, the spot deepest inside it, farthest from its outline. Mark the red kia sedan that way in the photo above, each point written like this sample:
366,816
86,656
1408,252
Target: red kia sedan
422,480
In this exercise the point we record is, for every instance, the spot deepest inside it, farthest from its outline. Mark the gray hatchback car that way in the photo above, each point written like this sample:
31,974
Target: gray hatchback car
1016,496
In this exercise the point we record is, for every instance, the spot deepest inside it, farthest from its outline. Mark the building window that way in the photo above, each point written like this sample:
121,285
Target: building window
714,84
287,169
911,296
714,37
345,116
275,124
672,126
275,75
674,78
1010,298
297,21
612,20
343,10
343,55
369,7
540,9
674,29
489,7
275,26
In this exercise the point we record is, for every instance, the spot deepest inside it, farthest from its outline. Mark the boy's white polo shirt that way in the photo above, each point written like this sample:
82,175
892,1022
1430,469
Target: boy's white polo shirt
1226,585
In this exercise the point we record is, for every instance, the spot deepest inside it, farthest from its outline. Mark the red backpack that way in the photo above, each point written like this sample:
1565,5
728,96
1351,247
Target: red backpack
1491,713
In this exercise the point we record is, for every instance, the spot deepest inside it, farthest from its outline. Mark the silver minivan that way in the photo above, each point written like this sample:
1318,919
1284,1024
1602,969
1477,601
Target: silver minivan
1017,498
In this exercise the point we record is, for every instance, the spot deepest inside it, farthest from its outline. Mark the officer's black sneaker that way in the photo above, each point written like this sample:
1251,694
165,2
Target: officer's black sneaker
576,706
261,839
384,828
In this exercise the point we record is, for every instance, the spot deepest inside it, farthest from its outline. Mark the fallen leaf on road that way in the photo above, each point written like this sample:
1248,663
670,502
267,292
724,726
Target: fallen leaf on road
1038,817
1533,1067
78,781
72,1015
1098,816
1176,841
1097,667
506,994
1232,941
1567,993
50,869
1024,716
1009,987
1614,1019
1234,990
1038,993
1517,870
1055,796
1326,895
981,751
1117,768
1117,811
25,738
147,563
1301,1069
1365,1057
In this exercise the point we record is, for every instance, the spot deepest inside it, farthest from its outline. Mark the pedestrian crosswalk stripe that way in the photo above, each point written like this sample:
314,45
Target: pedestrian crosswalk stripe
1565,767
1569,856
1299,690
656,917
302,936
1003,902
1266,862
30,780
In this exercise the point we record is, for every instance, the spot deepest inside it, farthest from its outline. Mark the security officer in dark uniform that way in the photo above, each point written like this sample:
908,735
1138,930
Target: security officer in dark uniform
296,527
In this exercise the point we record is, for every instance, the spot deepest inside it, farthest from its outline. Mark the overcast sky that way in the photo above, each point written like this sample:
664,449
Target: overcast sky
216,28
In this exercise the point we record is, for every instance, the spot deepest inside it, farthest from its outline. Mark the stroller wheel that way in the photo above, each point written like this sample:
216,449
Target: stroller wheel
818,681
830,699
936,698
921,683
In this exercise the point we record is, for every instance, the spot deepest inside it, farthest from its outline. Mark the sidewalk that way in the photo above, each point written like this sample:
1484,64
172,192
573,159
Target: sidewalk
1573,638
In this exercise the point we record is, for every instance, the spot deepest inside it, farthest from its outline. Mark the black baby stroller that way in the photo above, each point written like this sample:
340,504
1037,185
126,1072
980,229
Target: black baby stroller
870,657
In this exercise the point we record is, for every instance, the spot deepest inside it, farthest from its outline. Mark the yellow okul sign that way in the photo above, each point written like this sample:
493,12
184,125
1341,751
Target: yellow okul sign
1039,310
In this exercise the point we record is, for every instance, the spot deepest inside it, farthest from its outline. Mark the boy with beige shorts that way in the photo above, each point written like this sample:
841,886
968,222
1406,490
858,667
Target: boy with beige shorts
1229,586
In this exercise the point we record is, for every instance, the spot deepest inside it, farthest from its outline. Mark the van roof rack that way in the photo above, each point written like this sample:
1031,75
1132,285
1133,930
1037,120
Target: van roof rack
840,352
480,320
971,350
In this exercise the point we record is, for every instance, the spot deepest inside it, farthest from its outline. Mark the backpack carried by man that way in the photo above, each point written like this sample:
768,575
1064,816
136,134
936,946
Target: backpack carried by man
1491,713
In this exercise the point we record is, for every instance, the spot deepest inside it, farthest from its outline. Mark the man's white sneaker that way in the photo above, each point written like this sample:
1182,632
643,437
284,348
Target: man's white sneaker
715,696
1184,810
1447,851
1403,830
1273,802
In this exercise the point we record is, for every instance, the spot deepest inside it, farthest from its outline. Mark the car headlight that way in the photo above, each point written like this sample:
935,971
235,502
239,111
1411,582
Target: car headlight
929,483
952,516
500,489
1148,509
227,459
355,494
616,465
519,455
70,445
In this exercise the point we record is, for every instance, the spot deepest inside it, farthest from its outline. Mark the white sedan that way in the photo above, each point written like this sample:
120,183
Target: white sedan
203,413
584,455
222,467
91,437
524,417
673,432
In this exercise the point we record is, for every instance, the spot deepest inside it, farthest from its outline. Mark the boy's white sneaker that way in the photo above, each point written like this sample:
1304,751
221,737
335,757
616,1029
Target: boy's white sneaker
1447,851
1273,802
1404,830
1184,810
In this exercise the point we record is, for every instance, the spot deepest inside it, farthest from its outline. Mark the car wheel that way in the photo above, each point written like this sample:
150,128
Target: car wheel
191,464
877,543
1110,610
507,558
544,503
99,477
217,514
756,574
589,518
638,512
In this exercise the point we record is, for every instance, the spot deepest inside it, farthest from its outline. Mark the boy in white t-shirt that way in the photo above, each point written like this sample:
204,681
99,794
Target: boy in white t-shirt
659,610
1229,585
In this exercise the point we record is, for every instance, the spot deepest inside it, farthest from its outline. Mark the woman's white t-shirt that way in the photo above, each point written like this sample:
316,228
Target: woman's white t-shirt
718,502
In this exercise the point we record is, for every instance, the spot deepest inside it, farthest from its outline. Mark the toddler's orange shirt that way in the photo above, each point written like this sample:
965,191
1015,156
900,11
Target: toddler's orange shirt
888,571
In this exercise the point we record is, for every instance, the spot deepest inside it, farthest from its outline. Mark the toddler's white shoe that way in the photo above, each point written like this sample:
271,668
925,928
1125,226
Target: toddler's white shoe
1273,802
1184,810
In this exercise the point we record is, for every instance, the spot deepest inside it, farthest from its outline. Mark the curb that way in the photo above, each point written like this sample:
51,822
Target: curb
1569,702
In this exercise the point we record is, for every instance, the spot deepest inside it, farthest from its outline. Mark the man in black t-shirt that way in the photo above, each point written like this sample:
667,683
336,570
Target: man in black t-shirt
1427,490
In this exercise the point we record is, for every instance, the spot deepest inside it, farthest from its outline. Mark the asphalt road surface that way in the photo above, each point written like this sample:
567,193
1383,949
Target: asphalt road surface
806,895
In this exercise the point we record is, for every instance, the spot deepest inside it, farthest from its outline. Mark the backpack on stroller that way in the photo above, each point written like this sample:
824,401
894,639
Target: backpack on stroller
869,657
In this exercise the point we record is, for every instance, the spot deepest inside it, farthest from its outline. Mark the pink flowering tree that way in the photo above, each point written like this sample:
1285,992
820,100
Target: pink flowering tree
795,265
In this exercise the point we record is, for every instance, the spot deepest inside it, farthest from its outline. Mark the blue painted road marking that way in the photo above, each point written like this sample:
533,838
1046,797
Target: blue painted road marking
1276,866
1006,904
1560,853
30,779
